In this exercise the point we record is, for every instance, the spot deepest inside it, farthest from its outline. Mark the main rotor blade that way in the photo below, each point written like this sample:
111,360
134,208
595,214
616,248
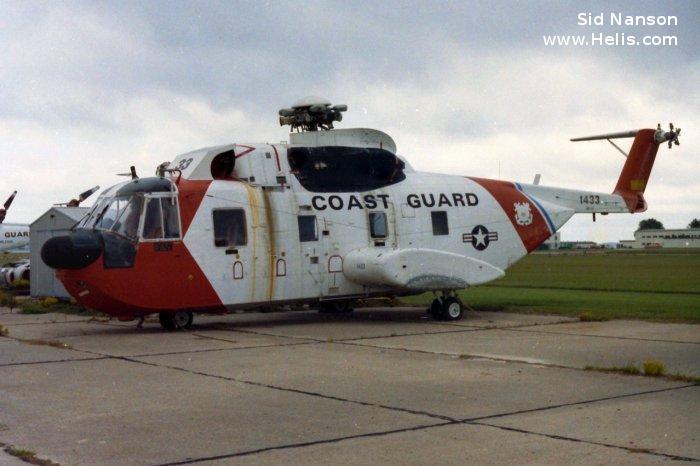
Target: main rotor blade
88,193
9,200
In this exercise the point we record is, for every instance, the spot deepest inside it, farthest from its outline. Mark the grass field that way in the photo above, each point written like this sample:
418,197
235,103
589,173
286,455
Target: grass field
660,285
6,257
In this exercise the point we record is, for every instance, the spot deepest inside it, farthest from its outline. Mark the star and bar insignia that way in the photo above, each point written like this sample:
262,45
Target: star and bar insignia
480,237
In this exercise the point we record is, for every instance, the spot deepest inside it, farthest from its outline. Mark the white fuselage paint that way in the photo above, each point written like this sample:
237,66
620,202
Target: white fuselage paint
13,236
277,267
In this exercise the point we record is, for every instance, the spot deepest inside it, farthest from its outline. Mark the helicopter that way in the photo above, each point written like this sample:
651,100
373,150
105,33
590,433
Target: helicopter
331,216
12,235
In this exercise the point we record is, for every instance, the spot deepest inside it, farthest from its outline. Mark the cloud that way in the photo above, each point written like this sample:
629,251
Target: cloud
87,89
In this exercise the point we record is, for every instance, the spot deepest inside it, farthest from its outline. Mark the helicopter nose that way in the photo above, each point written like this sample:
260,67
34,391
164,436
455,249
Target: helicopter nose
74,251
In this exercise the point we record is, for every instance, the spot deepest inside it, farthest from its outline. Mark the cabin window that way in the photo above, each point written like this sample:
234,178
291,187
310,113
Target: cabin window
377,224
307,228
439,219
344,169
229,227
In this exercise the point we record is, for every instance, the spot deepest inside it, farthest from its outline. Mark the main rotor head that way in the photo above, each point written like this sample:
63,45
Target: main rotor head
311,114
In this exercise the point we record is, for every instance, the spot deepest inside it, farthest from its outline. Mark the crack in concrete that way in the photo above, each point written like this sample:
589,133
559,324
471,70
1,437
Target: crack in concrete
603,336
645,451
307,444
576,403
450,421
28,363
337,340
476,356
212,350
50,323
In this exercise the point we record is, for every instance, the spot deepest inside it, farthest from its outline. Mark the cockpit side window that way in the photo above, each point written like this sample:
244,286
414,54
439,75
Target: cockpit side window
171,220
153,220
161,220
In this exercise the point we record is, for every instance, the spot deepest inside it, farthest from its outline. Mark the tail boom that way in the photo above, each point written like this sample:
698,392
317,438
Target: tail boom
640,160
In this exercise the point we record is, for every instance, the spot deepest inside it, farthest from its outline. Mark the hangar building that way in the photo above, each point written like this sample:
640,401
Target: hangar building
56,221
678,238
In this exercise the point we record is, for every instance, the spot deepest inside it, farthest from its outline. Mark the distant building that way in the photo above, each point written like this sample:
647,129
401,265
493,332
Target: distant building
578,245
553,242
678,238
57,221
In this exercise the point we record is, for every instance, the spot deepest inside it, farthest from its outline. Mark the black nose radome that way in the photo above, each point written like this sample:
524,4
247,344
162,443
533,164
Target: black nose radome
75,251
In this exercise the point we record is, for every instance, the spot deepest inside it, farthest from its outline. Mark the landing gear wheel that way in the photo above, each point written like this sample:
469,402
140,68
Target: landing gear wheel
436,309
335,307
179,320
448,309
452,309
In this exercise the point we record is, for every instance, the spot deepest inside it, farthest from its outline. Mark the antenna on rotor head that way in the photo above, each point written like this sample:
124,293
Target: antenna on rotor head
311,114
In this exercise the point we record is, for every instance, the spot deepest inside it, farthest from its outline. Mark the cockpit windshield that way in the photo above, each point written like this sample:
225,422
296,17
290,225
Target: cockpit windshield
150,216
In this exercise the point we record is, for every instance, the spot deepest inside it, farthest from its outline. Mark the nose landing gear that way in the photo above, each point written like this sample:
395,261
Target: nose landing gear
447,307
180,320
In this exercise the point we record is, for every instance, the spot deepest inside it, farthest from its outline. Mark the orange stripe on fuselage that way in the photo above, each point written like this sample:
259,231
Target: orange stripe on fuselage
507,195
159,280
191,193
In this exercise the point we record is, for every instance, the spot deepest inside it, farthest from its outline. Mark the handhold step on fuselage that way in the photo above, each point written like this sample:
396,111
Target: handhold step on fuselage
417,268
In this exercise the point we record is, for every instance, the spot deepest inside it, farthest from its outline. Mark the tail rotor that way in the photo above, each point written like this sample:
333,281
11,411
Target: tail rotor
670,136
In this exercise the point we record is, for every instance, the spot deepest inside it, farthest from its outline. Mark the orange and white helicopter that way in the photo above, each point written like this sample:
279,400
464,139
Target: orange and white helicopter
12,235
331,216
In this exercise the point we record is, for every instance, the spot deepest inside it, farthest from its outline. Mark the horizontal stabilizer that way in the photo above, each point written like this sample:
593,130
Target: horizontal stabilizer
623,134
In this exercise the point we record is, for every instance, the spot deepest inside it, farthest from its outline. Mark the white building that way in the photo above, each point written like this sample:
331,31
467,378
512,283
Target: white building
678,238
57,221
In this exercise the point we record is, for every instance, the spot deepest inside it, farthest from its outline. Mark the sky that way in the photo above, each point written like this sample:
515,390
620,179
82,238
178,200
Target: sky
89,88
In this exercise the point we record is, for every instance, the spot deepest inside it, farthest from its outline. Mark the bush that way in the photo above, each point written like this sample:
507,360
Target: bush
3,331
49,301
20,285
654,368
33,307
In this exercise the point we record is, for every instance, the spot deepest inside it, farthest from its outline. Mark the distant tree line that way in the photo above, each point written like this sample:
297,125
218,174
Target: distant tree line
653,224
